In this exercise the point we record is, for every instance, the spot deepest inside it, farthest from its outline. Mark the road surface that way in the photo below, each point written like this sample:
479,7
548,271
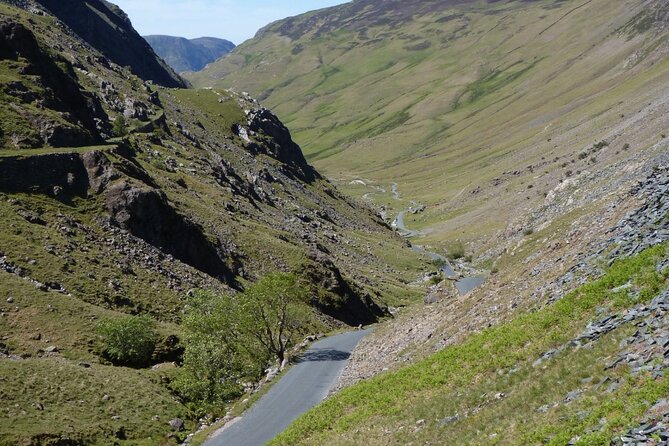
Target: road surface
306,384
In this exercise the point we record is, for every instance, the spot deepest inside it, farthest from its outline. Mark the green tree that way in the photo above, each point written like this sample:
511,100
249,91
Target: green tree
274,311
128,340
229,340
119,126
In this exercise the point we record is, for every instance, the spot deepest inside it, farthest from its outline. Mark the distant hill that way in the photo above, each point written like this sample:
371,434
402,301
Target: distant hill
189,55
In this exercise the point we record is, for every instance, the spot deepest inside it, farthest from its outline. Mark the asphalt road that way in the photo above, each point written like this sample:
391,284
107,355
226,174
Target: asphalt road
306,384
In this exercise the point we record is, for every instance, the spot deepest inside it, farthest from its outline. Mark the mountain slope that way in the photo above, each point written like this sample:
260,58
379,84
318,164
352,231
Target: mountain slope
107,28
465,104
189,55
120,197
527,141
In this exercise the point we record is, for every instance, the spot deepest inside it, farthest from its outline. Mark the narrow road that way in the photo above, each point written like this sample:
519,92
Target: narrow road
306,384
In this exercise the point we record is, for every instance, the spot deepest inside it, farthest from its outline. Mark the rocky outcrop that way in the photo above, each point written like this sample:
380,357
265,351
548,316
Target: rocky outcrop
280,144
106,28
146,214
80,114
342,300
62,176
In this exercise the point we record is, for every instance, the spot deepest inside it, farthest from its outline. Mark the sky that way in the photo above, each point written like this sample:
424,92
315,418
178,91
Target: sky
234,20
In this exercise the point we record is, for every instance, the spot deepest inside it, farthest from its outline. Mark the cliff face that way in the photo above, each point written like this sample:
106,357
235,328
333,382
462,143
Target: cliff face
107,29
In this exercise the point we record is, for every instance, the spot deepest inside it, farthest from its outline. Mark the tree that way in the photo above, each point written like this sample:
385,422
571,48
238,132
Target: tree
119,126
229,340
273,312
215,360
128,340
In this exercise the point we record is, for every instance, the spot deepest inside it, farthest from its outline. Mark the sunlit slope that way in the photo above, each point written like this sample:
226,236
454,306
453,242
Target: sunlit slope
445,97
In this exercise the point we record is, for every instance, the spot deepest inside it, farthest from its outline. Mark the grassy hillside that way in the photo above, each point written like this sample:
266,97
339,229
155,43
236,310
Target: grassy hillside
542,378
474,108
121,198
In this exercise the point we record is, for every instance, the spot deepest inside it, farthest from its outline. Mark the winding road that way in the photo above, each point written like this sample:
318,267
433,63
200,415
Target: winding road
306,384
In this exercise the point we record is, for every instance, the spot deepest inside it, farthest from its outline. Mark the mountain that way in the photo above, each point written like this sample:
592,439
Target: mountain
122,196
107,28
527,142
451,98
189,55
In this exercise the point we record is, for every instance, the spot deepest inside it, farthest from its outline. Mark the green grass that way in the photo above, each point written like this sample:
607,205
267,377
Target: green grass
381,112
51,150
75,407
223,114
401,398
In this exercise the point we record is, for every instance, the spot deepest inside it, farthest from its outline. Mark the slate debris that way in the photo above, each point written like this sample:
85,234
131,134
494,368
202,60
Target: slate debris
647,434
647,226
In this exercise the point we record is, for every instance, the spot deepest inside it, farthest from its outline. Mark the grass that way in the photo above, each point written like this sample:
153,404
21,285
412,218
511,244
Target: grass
383,403
388,114
75,407
51,150
70,393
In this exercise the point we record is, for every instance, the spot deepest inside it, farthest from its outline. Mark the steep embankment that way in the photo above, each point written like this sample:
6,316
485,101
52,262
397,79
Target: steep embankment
478,109
107,28
119,197
189,54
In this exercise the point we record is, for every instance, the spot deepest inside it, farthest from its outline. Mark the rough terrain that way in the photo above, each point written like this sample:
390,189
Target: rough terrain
120,195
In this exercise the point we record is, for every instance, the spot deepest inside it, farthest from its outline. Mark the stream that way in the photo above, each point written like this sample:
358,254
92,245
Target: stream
464,284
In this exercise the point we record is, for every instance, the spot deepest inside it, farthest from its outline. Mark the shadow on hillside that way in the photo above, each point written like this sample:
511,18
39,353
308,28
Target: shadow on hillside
324,355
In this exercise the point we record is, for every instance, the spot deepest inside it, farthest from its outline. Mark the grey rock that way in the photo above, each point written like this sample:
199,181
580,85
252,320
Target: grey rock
177,424
449,420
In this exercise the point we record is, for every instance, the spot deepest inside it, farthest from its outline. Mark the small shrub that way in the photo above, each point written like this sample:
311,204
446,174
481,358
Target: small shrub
119,126
436,280
569,173
626,146
456,250
528,231
128,340
600,145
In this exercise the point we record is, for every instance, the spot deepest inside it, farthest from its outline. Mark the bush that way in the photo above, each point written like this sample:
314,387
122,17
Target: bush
456,250
128,340
231,340
119,126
